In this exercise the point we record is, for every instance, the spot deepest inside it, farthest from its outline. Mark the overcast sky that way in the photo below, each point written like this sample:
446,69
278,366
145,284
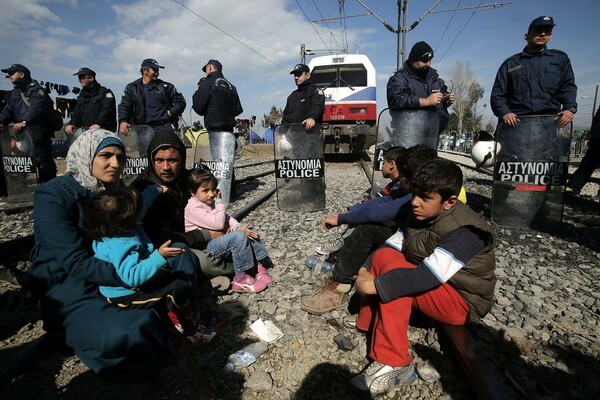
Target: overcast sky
258,41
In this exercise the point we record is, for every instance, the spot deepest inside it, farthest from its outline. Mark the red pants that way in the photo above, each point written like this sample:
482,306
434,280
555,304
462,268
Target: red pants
387,323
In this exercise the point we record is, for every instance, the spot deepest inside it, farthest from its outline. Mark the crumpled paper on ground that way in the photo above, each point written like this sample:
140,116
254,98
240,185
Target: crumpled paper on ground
266,330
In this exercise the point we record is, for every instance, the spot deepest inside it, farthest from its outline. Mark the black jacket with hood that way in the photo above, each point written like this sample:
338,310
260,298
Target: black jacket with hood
164,220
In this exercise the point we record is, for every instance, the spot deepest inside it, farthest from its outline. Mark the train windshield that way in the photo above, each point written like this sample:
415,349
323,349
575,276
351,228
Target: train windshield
346,75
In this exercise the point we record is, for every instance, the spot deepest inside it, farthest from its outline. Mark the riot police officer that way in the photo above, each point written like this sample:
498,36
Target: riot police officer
96,106
536,81
150,101
306,104
29,106
217,99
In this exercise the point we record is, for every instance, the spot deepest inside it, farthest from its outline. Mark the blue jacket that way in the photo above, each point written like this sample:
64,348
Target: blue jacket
405,88
132,253
379,209
35,114
534,84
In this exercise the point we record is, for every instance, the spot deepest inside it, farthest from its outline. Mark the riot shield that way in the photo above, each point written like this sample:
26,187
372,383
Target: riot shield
405,128
73,137
299,168
215,150
136,149
19,166
530,173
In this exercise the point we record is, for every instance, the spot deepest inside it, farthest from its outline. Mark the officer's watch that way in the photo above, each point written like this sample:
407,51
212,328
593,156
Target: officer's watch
573,110
24,122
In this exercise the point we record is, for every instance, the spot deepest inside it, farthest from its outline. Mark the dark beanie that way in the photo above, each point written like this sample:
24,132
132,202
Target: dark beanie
420,51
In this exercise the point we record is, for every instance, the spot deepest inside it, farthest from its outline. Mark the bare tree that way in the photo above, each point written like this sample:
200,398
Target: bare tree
468,92
273,117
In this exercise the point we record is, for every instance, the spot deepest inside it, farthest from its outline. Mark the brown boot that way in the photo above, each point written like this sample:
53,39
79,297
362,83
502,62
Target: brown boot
327,298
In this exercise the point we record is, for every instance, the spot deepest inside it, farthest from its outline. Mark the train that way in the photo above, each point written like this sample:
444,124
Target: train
348,83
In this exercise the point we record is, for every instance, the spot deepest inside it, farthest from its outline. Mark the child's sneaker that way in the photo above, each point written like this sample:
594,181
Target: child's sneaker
327,249
248,284
262,275
202,335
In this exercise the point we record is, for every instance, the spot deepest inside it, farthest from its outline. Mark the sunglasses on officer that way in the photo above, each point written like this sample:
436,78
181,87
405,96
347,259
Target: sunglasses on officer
426,57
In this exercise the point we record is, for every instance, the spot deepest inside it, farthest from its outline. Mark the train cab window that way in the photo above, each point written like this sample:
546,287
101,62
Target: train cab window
349,75
323,75
353,75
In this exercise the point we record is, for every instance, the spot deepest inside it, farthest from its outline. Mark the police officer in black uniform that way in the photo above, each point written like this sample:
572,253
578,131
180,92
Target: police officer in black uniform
96,106
536,81
150,101
216,99
306,104
29,106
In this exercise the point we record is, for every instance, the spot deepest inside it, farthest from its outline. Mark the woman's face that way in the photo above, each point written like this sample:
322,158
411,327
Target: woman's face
108,164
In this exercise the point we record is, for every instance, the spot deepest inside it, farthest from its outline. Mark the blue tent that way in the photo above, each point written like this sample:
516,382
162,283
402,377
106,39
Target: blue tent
268,136
253,137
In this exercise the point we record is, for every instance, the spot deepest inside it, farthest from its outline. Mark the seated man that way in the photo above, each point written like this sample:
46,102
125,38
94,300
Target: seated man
441,262
377,219
164,219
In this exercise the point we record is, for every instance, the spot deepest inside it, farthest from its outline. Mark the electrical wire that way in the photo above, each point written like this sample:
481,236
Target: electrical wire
329,29
445,30
231,36
313,26
458,34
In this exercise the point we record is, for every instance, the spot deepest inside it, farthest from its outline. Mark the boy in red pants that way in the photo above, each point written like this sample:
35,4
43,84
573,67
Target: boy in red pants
440,262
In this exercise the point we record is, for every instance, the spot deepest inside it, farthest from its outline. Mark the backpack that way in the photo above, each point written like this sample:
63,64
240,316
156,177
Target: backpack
54,119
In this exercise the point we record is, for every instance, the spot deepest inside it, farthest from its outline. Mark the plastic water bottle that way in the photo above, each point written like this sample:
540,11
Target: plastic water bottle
318,265
246,356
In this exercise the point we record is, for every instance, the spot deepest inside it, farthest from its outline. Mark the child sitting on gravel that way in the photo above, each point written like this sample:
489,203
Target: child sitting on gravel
111,218
440,262
205,210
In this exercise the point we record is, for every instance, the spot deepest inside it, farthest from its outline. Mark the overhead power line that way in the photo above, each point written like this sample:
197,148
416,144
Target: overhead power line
313,26
231,36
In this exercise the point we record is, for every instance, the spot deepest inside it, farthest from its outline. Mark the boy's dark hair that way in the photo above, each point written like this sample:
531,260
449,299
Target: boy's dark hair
112,212
413,158
438,176
199,177
394,153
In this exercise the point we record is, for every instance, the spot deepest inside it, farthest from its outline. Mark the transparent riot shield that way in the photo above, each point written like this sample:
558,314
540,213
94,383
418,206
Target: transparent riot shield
19,167
215,150
299,168
530,173
73,136
405,128
136,148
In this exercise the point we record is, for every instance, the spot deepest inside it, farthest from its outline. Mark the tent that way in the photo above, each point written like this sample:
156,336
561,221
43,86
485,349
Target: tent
268,136
253,137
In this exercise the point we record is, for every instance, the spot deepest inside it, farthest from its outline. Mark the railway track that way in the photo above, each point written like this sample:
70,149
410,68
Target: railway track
256,187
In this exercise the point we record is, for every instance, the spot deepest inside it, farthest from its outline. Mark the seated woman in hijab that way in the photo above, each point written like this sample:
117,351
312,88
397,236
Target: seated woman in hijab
129,345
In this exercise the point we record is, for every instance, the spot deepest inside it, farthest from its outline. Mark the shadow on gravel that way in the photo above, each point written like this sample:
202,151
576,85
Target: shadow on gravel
566,373
198,375
328,381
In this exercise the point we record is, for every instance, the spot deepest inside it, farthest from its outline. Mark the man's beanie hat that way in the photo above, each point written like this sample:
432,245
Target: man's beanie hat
420,51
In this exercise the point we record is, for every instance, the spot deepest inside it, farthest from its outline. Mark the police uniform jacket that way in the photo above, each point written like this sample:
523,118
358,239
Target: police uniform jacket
305,102
132,108
534,84
217,100
405,88
36,114
95,105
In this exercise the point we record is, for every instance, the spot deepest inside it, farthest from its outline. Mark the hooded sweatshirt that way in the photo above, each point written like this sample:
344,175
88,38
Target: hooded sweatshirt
164,220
